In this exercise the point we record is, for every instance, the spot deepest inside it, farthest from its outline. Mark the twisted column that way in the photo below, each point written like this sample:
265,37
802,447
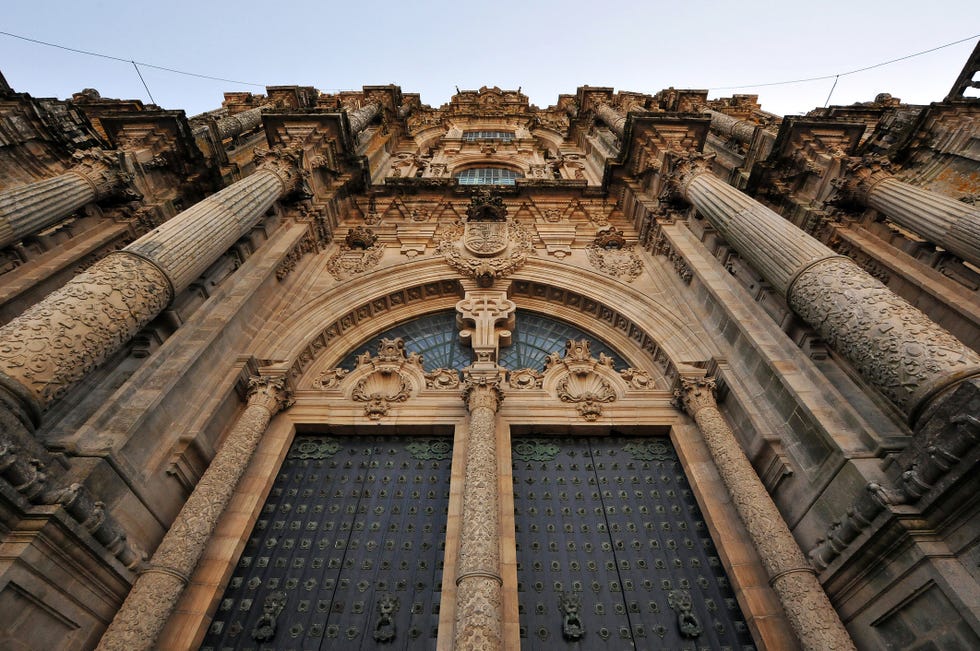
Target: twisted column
893,345
812,617
55,343
30,208
360,118
953,225
158,587
612,118
478,578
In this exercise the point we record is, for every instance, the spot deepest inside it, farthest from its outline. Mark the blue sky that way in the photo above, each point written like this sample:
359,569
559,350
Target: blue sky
546,48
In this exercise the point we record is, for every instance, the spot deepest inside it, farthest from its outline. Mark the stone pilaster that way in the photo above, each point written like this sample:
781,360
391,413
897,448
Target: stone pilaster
813,618
894,346
30,208
360,118
953,225
159,586
612,118
55,343
478,574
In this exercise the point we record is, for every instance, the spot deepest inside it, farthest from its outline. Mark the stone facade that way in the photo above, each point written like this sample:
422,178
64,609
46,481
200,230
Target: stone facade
796,303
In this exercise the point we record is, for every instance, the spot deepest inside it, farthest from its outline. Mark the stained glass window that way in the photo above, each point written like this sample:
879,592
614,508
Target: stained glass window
488,176
436,337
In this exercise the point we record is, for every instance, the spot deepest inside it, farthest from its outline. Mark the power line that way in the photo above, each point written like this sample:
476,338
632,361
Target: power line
142,63
850,72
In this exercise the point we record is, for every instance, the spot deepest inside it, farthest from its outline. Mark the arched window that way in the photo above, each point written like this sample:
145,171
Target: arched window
503,136
488,176
436,337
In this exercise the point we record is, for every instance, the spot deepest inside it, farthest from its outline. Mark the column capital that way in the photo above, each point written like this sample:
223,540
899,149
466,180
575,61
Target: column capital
683,168
695,393
269,392
861,175
284,162
101,169
482,389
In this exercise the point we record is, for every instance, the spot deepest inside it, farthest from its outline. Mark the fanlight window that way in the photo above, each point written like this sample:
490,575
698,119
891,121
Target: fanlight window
488,176
436,337
504,136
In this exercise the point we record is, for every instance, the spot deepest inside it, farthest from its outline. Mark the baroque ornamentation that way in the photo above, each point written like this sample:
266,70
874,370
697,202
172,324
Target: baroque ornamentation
265,628
388,382
570,603
442,378
580,383
535,450
813,619
894,346
359,252
609,254
57,342
101,169
432,448
484,248
687,621
156,591
525,378
649,451
314,447
330,379
284,162
637,379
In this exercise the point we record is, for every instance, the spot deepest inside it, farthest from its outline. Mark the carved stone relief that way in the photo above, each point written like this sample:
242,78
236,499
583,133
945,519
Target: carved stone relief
389,380
580,379
610,254
359,252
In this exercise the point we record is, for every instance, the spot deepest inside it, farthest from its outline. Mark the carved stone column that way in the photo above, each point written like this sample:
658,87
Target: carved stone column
232,125
894,346
30,208
613,119
360,118
739,130
478,575
953,225
55,343
813,618
159,586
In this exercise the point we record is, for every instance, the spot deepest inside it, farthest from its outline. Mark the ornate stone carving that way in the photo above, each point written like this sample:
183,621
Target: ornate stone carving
579,381
56,342
895,347
609,254
861,176
808,610
442,378
284,162
486,246
525,378
359,252
101,169
479,314
156,591
478,578
388,382
637,379
330,379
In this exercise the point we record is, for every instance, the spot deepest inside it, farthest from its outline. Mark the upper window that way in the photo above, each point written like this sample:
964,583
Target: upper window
488,176
505,136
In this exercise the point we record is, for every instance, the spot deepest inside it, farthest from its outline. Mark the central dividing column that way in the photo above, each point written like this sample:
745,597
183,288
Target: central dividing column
478,575
813,618
159,586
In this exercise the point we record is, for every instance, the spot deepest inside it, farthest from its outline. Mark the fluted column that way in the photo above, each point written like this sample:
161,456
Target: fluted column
812,617
893,345
55,343
30,208
360,118
953,225
232,125
740,130
158,587
612,118
478,575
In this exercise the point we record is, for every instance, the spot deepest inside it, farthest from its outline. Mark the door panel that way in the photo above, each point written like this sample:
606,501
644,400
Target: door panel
613,522
352,524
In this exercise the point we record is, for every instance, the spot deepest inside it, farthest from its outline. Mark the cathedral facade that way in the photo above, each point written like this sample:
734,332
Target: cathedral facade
630,371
